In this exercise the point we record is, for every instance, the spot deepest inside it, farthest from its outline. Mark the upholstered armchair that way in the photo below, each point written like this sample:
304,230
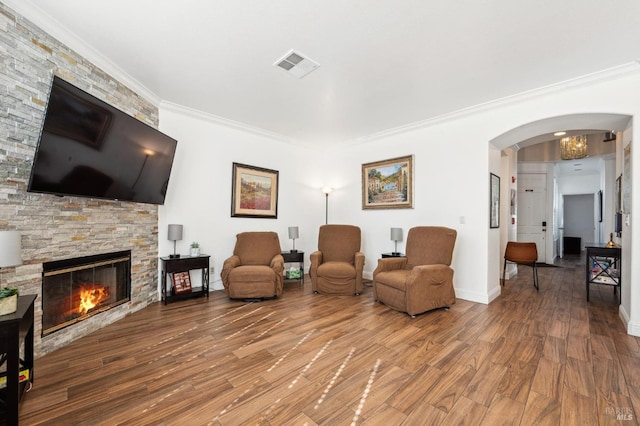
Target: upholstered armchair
255,269
423,280
336,267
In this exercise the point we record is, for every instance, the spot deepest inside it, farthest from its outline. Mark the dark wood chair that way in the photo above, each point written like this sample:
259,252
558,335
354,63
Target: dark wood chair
521,253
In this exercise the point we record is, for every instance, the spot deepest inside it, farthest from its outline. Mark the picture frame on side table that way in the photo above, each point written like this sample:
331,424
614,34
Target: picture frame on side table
181,282
254,192
388,184
494,201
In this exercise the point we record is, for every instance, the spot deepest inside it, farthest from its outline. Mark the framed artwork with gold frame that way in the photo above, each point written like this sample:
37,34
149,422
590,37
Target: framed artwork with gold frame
388,184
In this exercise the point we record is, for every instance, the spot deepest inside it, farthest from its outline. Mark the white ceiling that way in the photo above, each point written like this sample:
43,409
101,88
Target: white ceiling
383,64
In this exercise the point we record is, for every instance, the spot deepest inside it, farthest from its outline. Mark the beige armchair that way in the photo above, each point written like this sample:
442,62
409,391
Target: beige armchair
255,269
336,267
423,280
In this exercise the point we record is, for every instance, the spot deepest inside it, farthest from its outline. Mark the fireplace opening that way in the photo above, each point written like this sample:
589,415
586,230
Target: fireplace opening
79,288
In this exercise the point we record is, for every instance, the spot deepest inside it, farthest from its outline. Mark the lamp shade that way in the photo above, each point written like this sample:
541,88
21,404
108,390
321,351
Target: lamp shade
10,248
396,234
293,232
175,232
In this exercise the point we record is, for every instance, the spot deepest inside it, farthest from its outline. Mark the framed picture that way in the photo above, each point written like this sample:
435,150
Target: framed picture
494,201
388,184
254,192
600,206
619,194
181,282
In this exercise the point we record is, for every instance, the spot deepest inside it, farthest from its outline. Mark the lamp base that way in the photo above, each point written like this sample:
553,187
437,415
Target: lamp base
293,251
174,256
395,253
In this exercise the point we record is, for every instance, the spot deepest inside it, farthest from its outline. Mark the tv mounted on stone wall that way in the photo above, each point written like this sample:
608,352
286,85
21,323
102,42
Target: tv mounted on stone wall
88,148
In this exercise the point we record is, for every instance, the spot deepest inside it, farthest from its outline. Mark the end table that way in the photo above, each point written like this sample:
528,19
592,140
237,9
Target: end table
295,257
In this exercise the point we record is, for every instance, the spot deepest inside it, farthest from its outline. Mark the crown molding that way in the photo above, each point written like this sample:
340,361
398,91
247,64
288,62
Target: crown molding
55,29
593,78
215,119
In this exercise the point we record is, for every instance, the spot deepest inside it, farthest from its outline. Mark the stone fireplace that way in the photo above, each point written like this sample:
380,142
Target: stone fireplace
79,288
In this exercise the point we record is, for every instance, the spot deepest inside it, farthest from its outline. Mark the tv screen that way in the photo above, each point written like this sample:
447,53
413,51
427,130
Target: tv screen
89,148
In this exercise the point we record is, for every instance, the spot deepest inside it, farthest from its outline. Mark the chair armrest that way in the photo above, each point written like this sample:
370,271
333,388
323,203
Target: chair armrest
227,266
277,264
387,264
432,275
316,260
359,265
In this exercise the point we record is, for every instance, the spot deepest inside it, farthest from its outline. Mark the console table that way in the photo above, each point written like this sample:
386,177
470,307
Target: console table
294,257
14,329
171,265
603,266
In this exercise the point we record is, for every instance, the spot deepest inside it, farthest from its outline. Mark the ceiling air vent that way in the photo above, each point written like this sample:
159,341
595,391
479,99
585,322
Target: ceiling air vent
296,64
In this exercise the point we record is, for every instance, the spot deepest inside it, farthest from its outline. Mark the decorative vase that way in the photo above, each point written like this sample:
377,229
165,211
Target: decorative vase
195,251
8,305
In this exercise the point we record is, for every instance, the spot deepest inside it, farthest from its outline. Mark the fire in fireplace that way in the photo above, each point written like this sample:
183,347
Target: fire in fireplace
76,289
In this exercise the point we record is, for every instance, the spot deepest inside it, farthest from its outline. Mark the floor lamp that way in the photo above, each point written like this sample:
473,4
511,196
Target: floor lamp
326,190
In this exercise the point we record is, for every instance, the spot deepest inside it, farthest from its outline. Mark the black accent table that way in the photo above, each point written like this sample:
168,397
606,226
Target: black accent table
185,264
294,257
15,328
393,255
603,266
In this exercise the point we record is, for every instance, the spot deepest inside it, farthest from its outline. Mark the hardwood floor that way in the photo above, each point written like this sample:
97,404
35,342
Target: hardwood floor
304,359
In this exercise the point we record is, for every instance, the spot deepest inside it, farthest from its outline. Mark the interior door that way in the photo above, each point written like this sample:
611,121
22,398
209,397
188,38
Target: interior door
532,207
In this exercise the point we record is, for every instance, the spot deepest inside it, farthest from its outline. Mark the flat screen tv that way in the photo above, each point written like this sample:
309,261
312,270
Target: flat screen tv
89,148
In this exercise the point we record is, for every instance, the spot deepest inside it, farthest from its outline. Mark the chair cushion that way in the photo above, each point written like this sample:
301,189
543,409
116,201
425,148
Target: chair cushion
256,248
251,273
339,242
338,270
430,245
396,279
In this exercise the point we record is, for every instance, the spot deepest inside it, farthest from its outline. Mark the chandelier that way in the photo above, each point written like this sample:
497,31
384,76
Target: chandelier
573,147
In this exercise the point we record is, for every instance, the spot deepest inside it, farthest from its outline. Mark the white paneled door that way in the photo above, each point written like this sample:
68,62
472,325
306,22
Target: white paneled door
531,219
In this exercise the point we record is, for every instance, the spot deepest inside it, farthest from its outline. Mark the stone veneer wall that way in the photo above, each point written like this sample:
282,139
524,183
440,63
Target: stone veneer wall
55,228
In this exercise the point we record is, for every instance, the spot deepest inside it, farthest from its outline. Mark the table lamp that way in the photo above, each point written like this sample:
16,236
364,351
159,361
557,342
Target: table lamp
293,234
174,234
396,235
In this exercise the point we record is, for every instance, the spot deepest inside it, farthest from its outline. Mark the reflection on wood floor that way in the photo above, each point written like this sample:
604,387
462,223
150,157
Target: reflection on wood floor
529,357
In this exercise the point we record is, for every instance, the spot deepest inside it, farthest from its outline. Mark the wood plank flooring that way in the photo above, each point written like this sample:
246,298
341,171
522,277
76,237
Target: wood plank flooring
547,358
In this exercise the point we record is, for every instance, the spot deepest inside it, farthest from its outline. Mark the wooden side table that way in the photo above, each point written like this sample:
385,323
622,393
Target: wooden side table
15,328
185,264
295,257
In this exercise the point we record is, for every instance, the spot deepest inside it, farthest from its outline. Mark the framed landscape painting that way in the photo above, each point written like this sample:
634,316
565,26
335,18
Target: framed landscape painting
254,192
388,184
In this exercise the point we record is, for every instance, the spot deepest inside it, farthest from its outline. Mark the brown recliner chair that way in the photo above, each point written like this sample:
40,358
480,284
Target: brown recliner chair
336,267
255,269
423,280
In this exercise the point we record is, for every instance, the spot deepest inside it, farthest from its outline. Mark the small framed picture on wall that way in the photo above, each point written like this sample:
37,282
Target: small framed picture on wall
494,201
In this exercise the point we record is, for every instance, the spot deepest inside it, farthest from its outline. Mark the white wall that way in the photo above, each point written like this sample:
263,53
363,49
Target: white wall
199,192
453,158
